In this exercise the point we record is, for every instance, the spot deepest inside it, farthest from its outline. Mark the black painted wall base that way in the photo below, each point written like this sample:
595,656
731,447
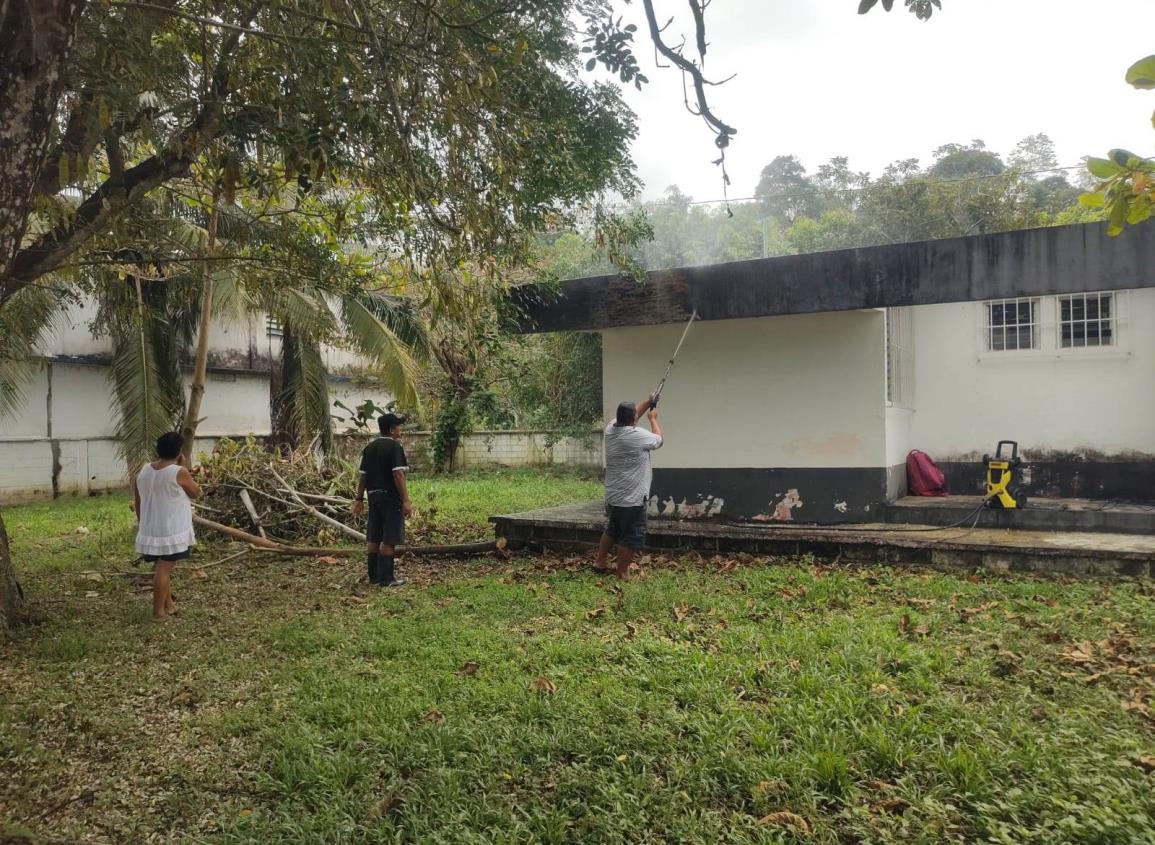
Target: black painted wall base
1068,479
823,496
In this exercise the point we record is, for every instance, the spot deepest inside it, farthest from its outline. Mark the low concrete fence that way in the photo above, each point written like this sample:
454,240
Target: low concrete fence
39,467
515,448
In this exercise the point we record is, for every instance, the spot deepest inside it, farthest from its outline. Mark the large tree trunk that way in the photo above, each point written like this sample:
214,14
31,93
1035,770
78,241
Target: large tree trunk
35,39
12,608
200,367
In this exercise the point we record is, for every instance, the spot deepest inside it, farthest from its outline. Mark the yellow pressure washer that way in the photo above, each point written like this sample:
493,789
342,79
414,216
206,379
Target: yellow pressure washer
1003,488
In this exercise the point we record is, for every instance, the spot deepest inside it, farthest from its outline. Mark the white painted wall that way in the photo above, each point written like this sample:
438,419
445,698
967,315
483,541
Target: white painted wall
82,398
82,426
797,391
234,404
966,399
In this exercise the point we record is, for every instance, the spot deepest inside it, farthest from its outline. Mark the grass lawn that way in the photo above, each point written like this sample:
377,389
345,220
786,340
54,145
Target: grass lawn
710,701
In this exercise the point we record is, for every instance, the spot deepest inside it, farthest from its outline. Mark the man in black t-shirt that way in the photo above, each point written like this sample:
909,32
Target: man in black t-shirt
383,468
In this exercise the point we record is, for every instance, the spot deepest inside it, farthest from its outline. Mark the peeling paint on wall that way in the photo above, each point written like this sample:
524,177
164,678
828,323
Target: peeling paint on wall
840,507
783,510
705,507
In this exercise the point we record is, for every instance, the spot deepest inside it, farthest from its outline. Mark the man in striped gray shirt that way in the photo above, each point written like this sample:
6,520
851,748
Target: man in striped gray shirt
628,477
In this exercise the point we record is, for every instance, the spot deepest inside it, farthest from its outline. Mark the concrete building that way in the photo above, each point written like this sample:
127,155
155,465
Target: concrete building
62,440
808,379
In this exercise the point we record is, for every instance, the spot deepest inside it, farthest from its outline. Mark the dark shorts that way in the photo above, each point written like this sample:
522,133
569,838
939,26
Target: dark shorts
627,526
386,522
171,556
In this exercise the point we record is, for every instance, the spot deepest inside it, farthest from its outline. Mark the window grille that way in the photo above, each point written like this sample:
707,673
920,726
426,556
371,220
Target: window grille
1012,324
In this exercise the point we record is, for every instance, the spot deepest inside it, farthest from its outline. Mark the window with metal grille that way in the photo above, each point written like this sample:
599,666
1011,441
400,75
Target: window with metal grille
273,327
899,357
1012,324
1086,319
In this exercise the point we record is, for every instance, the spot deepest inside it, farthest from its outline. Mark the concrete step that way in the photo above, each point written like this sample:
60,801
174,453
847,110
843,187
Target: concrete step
577,528
1080,515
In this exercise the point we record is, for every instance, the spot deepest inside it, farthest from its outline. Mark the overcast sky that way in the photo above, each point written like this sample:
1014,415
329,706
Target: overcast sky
818,80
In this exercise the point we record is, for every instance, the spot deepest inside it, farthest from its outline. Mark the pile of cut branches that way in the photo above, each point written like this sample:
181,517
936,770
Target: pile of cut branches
246,487
294,504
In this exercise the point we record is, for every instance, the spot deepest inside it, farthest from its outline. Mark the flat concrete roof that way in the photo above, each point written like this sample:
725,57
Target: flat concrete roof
1029,262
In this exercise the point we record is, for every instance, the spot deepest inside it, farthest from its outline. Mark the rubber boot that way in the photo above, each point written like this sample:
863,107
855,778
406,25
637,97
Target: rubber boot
387,576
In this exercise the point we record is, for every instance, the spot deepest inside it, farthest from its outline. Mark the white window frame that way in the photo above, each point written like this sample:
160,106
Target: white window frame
1034,325
1112,320
1048,335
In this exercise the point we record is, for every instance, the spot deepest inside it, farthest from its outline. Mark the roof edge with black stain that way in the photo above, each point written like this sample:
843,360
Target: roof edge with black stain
1029,262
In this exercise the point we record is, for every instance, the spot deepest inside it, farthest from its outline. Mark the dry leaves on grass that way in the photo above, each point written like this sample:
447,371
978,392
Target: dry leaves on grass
789,821
434,716
467,669
768,788
1139,701
595,613
1146,763
915,630
682,611
543,684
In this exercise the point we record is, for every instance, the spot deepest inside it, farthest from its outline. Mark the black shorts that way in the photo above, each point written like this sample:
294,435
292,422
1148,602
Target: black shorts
171,556
386,522
627,525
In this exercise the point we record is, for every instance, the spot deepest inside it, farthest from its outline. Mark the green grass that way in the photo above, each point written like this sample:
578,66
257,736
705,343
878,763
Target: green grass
459,507
526,701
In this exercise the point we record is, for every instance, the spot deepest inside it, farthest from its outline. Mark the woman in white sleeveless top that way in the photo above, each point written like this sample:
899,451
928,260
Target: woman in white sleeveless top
162,494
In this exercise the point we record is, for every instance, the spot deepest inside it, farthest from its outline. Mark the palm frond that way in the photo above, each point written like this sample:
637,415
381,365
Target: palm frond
388,337
305,310
143,387
304,400
24,320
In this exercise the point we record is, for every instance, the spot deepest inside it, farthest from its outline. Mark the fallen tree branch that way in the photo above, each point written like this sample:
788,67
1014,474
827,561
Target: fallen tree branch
237,534
247,501
479,547
263,545
328,520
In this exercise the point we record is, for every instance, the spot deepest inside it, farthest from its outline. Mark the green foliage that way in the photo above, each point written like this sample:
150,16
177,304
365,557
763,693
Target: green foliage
301,409
451,423
966,189
1142,73
24,321
1126,190
150,323
436,134
362,418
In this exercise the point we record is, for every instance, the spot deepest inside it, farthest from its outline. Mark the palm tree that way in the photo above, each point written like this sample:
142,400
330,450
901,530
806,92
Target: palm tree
153,314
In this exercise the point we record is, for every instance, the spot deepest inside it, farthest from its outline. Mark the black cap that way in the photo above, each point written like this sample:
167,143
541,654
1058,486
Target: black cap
388,421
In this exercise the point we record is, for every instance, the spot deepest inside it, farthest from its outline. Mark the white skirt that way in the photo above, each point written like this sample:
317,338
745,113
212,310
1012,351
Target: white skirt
171,544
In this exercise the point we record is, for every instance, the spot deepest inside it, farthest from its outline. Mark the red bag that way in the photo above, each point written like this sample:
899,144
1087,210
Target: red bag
923,477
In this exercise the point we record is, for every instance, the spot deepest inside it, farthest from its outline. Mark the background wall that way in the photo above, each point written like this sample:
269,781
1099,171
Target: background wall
61,440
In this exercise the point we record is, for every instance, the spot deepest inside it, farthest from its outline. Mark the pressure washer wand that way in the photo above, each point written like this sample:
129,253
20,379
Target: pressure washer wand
662,384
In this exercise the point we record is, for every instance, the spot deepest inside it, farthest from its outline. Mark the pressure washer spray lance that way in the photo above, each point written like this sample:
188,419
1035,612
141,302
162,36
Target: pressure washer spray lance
662,384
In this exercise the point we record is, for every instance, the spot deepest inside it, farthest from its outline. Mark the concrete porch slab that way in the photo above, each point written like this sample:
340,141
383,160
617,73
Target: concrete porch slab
1081,515
579,526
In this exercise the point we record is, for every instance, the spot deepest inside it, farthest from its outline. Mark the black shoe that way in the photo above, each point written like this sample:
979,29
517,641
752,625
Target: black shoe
396,582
